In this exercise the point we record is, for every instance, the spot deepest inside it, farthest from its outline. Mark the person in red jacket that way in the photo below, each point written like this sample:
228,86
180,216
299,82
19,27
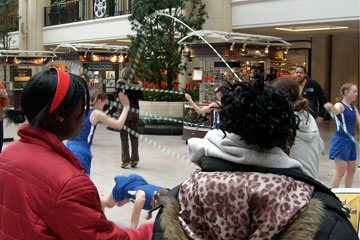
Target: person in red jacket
4,102
44,192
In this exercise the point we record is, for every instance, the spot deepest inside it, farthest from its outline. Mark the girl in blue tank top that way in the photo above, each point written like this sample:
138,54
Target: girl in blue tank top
133,188
214,106
342,148
80,146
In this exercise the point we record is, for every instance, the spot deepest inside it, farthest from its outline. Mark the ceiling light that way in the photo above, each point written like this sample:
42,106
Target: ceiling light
309,28
186,49
286,50
124,40
244,47
232,46
267,49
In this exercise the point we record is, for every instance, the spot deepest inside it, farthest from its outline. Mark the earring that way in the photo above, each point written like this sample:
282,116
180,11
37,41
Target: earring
287,151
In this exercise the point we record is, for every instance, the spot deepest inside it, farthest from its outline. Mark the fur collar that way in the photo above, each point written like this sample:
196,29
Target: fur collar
305,226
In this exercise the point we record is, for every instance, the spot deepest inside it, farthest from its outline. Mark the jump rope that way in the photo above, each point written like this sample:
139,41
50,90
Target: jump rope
133,67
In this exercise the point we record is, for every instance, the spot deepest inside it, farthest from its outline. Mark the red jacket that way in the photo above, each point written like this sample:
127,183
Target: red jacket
44,193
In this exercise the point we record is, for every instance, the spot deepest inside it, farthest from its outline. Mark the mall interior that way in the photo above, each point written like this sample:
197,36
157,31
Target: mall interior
323,36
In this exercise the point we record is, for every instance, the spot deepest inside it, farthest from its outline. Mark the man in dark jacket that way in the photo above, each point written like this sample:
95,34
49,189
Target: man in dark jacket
313,92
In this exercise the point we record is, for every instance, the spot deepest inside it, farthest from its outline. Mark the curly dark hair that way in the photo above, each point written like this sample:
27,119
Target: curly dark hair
260,114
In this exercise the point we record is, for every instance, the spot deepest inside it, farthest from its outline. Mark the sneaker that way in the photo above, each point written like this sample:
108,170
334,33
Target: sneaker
125,164
134,164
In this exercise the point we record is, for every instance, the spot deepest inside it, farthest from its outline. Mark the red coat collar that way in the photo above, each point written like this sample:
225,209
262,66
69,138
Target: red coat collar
31,134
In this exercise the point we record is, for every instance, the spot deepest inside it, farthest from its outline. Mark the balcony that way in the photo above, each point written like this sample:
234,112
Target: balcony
82,10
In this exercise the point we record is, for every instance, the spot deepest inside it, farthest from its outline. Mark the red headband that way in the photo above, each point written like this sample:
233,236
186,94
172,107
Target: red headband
62,87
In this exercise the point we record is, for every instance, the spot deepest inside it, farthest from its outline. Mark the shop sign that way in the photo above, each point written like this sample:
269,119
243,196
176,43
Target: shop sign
115,58
197,74
21,75
22,60
99,67
60,65
253,53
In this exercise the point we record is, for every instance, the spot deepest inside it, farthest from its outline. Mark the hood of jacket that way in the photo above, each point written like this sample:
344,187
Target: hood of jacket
232,148
308,128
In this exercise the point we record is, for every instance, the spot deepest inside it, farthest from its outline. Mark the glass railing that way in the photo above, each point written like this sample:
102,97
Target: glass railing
13,21
82,10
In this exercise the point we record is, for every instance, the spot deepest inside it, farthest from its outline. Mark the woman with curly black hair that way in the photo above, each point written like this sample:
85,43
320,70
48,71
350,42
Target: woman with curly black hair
248,187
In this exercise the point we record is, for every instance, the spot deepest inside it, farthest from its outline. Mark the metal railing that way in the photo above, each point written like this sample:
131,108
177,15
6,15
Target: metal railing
82,10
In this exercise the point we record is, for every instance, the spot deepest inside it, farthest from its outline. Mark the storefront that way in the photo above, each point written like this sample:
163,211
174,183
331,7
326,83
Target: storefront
101,63
17,67
102,69
247,57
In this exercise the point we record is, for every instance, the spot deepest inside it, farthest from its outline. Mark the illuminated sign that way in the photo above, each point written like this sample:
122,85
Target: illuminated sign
24,60
115,58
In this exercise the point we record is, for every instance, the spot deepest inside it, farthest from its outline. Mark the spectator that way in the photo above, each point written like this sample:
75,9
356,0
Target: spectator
132,121
248,187
312,91
308,143
45,193
4,102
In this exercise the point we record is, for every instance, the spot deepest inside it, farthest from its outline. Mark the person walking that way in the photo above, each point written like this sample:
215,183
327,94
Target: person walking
313,92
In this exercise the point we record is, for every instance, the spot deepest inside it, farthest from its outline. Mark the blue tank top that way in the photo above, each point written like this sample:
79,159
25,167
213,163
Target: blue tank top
347,119
86,134
126,188
216,116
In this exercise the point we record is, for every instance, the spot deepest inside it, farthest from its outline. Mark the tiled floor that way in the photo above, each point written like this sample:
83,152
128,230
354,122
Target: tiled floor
157,166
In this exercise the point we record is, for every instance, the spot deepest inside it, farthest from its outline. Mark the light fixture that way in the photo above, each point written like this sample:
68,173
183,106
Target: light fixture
92,53
52,59
267,49
311,28
232,46
186,48
244,47
286,50
6,59
85,54
124,40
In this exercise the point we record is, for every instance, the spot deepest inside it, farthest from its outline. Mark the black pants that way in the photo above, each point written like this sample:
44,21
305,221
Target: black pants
132,122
